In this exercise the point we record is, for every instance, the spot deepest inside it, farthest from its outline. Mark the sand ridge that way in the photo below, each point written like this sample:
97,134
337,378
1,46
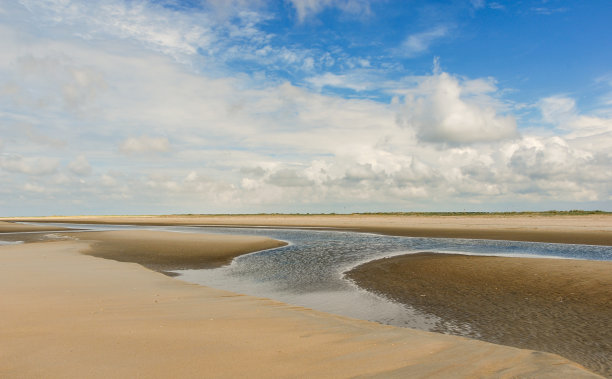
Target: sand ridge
70,315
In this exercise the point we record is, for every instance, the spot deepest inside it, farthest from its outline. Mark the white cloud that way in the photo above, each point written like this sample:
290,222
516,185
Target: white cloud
478,3
561,111
80,166
288,177
548,10
108,180
241,145
443,109
497,6
310,8
34,188
34,166
340,81
420,42
48,79
145,144
158,27
557,109
38,137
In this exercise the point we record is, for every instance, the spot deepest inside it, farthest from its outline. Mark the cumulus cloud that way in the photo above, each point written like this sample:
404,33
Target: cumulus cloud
289,178
145,144
444,109
546,158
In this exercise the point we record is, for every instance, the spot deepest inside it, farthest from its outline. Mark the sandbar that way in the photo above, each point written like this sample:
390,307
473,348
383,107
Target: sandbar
556,305
164,251
71,315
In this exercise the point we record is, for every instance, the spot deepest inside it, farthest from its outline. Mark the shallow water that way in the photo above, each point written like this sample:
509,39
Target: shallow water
10,242
309,271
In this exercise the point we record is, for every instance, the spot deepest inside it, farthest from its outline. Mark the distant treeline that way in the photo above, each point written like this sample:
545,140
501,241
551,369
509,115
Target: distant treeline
573,212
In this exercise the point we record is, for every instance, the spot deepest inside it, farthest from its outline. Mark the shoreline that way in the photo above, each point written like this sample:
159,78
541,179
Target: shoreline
582,229
123,320
12,227
545,304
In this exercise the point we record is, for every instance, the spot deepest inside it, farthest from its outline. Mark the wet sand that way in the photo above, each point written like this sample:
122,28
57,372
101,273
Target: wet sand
593,229
554,305
12,227
164,251
14,232
71,315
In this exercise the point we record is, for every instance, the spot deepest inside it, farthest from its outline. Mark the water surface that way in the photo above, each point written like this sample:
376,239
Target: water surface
309,272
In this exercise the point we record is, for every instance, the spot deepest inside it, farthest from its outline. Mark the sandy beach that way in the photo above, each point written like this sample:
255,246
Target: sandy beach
66,314
69,313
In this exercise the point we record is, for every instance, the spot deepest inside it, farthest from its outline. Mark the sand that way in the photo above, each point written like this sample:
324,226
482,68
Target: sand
164,251
16,233
71,315
595,229
554,305
12,227
66,314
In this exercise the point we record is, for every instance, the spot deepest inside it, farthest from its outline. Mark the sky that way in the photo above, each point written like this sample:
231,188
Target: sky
304,106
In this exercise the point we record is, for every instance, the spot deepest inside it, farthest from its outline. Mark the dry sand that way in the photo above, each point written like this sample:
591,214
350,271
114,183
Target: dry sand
69,315
593,229
554,305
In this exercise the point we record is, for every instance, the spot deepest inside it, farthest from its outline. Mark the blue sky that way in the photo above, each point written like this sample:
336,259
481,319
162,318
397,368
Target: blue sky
146,107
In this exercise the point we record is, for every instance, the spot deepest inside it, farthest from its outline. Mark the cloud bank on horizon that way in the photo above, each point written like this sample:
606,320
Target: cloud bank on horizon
170,106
